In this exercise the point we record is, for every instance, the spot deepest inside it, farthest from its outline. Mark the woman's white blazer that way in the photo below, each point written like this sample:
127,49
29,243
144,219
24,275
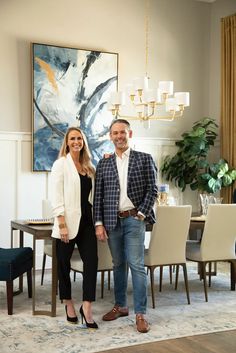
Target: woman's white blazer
66,195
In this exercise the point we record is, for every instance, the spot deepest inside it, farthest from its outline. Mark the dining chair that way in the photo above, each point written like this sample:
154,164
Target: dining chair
104,263
168,242
47,251
14,262
217,242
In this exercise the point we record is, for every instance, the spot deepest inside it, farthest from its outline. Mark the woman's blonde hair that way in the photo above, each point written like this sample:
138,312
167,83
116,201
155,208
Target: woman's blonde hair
85,155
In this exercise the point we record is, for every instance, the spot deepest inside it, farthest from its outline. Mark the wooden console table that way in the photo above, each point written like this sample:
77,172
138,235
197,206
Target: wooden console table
38,232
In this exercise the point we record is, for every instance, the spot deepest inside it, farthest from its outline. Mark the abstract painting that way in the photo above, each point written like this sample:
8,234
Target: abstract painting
71,87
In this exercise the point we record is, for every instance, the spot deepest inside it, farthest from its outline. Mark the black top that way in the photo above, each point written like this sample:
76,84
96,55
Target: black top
86,207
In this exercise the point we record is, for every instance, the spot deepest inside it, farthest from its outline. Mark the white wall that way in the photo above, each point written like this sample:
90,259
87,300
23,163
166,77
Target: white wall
21,190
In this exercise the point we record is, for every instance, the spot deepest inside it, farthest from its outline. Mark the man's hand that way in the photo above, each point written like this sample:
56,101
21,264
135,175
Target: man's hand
107,155
101,233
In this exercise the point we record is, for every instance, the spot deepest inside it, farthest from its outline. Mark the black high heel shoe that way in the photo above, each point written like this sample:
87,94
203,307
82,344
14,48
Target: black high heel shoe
72,320
83,318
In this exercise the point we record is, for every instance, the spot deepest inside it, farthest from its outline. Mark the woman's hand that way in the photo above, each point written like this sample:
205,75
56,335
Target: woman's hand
64,234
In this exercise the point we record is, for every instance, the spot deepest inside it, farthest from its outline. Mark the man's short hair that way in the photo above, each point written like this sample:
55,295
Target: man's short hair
121,121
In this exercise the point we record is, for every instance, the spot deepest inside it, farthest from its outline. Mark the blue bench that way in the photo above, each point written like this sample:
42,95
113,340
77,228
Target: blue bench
14,262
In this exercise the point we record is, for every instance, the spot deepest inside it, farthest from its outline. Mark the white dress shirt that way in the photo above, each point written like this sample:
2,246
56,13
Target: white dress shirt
122,167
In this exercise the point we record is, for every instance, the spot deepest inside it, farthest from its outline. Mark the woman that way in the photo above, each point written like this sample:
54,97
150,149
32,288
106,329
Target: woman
72,194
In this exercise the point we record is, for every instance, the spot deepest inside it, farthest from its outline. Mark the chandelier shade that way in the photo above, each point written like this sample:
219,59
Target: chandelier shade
149,104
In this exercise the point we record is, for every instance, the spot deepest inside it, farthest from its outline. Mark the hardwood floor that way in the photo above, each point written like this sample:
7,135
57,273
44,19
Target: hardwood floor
219,342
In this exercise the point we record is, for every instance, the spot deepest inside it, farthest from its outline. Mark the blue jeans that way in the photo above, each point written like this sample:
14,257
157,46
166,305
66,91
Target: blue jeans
126,243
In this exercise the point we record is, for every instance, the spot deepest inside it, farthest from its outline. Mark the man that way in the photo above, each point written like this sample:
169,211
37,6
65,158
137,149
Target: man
125,192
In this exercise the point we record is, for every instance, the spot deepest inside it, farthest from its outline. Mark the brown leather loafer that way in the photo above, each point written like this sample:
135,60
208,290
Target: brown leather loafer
115,313
142,324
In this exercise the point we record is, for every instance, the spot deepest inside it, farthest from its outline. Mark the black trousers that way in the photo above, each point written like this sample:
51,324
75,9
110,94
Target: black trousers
87,245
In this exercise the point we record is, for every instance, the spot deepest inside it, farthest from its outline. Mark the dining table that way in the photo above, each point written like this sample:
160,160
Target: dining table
197,224
38,231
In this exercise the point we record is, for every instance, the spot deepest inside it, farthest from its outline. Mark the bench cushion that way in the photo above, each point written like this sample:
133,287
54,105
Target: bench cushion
14,262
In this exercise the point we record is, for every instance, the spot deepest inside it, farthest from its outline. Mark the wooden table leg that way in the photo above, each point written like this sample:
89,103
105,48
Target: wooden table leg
51,312
21,246
54,277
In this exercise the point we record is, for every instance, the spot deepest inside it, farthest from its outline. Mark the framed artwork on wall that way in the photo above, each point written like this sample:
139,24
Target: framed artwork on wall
71,87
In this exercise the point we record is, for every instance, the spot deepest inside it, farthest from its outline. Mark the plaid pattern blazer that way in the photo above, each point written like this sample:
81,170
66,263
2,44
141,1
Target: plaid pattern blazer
141,188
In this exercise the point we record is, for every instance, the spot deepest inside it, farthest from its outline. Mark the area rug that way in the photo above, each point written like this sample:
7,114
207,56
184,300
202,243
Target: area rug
172,318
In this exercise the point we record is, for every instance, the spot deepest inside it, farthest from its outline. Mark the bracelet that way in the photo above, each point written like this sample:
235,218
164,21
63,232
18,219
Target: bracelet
62,225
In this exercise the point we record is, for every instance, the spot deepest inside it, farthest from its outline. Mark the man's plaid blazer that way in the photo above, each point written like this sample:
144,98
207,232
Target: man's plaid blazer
141,189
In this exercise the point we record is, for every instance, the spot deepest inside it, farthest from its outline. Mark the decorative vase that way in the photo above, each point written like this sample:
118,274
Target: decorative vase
206,199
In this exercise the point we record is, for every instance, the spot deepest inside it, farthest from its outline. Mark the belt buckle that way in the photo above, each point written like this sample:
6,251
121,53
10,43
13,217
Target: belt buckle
129,214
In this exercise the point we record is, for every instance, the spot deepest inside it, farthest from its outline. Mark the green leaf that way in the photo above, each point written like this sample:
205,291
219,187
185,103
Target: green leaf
202,164
214,185
226,180
232,174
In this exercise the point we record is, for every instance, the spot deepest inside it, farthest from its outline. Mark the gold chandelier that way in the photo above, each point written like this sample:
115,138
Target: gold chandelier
148,103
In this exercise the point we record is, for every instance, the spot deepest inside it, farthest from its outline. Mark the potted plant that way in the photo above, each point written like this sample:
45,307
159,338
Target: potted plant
190,165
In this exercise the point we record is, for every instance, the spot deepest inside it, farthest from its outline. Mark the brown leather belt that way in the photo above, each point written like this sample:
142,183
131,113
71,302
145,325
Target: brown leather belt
124,214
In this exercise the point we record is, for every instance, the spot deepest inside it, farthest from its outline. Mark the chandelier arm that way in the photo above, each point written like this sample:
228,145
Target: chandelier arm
152,117
176,115
129,117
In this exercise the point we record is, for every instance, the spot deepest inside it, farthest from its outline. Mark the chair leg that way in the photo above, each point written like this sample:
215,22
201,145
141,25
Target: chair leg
176,277
9,285
210,272
109,280
102,284
170,272
152,285
199,270
186,282
232,274
74,276
29,283
161,276
203,271
43,268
